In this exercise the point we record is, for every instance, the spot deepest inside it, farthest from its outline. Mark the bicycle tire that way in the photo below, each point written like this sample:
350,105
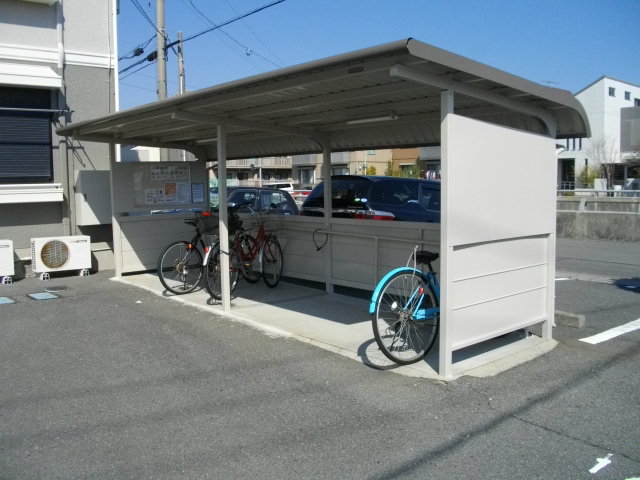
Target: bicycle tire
213,278
180,267
271,260
248,264
401,337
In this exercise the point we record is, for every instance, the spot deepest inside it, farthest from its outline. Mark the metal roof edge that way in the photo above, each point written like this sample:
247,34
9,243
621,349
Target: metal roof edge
399,45
465,64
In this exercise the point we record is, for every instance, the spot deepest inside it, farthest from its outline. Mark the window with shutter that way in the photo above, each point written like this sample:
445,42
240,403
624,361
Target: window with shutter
25,136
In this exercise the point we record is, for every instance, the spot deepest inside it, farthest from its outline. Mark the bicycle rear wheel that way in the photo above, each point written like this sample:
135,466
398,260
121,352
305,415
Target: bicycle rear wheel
271,261
399,332
213,282
180,267
250,272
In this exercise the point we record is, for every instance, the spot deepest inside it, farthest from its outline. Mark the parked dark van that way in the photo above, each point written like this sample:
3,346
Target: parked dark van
378,198
262,199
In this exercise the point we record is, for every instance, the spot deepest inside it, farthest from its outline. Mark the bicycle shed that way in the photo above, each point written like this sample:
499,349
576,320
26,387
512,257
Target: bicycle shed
497,135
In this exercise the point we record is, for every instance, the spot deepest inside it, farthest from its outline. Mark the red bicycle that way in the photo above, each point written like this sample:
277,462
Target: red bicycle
253,257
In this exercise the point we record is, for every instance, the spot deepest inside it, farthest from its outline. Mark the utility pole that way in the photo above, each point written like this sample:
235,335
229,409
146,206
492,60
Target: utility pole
161,42
181,81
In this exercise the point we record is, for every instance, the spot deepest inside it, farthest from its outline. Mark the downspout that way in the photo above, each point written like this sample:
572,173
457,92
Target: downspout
65,160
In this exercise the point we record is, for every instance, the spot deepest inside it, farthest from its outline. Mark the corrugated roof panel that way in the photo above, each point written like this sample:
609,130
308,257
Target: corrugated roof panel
289,111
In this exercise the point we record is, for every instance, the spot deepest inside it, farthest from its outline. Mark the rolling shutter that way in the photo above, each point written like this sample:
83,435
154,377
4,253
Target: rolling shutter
25,136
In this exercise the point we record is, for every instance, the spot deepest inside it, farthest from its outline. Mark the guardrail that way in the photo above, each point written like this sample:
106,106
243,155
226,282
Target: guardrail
599,193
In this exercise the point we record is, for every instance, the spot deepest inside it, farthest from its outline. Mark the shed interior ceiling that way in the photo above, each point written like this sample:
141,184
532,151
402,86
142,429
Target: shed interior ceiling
300,109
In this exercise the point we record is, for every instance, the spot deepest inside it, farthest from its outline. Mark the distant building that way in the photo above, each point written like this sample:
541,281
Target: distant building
58,64
613,108
306,170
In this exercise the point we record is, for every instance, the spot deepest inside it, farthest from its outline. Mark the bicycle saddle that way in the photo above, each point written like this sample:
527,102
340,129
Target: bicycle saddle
191,222
423,257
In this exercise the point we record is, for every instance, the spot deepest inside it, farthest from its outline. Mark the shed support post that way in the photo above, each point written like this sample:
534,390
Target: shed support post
328,250
115,222
222,208
445,351
547,326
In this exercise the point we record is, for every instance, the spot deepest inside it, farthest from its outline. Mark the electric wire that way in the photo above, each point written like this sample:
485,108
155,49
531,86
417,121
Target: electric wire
248,51
222,35
191,37
131,52
148,19
227,22
145,16
141,68
255,34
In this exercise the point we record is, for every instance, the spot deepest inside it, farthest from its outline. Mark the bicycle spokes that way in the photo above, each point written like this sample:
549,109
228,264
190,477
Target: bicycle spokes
404,325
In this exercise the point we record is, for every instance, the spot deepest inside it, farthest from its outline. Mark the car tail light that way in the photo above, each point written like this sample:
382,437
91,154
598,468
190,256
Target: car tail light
374,215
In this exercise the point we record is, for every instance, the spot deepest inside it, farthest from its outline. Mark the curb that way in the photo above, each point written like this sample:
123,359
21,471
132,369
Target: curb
567,319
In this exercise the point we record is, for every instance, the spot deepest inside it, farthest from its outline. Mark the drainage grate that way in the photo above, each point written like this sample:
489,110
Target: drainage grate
42,296
6,300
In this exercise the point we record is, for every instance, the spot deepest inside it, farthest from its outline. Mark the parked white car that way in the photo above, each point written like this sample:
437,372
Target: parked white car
286,186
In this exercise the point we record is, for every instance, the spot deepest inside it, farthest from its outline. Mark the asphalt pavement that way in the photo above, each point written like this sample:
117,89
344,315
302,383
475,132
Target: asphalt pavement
111,381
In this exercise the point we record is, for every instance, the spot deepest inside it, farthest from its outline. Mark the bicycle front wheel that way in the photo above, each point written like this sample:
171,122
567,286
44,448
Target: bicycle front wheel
271,261
401,328
213,269
180,267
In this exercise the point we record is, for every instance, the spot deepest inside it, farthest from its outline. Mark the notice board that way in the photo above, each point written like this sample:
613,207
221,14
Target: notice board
148,186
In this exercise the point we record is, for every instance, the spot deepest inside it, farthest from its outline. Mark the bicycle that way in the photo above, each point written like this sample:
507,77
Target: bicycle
180,263
253,257
405,309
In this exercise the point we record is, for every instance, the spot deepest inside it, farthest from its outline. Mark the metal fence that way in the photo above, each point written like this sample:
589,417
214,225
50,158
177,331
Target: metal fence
598,193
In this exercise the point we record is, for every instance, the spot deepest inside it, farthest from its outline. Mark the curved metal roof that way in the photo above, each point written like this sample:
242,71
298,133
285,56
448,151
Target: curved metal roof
379,97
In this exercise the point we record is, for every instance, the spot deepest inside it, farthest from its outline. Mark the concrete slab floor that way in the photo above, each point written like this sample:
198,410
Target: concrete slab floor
341,324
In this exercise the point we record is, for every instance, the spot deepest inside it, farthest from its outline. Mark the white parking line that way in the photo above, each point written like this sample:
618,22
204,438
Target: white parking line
613,332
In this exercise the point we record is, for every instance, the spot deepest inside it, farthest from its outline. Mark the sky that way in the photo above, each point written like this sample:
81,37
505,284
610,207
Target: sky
565,44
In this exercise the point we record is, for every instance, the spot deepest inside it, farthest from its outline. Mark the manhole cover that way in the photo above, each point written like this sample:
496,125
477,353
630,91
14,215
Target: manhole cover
56,288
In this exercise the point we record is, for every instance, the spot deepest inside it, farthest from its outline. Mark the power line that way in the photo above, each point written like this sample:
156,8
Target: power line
137,51
144,14
248,51
255,34
136,71
151,57
227,22
134,65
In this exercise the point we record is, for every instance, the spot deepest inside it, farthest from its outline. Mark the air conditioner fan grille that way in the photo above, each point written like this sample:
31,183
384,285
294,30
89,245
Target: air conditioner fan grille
54,254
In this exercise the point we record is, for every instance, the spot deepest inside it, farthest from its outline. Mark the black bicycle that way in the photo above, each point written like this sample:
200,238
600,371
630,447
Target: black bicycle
180,265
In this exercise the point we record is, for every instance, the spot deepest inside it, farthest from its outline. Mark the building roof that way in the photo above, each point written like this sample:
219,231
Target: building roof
608,78
380,97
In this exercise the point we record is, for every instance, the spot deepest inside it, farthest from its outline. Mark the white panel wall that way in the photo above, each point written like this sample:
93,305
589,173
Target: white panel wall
363,250
138,238
142,239
498,232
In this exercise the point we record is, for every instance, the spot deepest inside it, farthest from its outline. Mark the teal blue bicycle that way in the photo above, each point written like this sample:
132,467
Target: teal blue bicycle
405,309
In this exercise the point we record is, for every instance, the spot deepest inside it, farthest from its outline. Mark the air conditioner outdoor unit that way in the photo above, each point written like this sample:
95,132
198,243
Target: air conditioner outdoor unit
57,254
6,261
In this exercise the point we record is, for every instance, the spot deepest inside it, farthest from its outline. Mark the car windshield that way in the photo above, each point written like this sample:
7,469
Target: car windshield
345,193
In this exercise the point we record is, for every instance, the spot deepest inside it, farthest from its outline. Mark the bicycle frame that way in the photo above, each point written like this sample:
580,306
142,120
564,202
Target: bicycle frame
422,314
